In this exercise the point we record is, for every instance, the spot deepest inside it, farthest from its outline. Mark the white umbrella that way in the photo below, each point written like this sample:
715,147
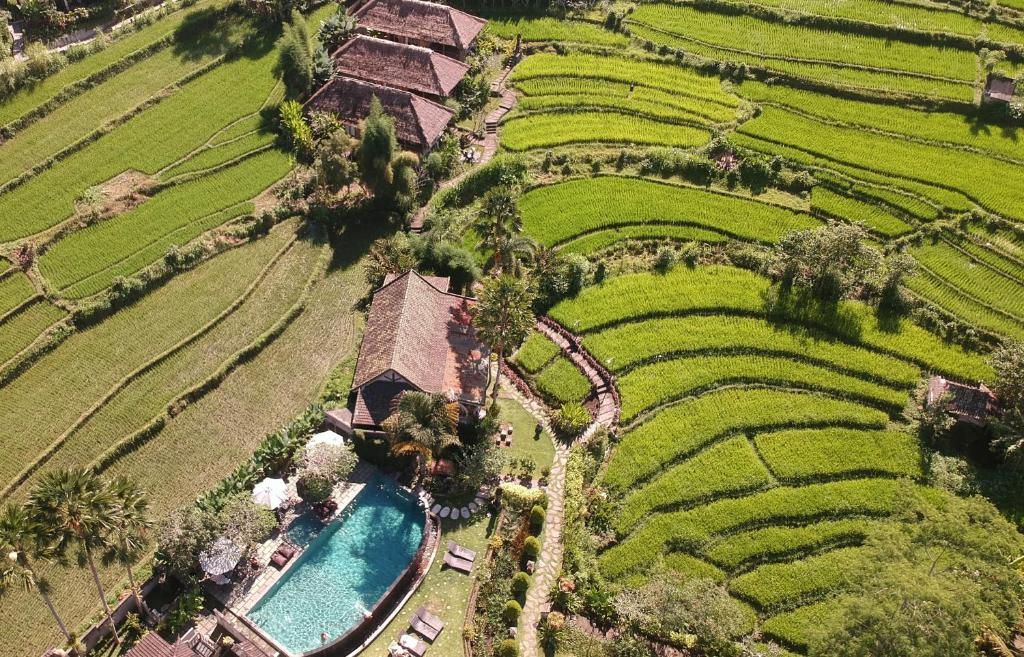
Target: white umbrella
325,438
222,557
270,492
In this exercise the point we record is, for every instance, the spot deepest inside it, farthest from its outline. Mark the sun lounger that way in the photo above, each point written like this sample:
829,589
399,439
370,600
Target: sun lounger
424,630
286,551
461,552
413,644
279,560
430,619
452,561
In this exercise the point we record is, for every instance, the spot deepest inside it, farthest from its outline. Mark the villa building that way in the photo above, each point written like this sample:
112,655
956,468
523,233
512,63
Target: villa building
419,123
410,68
415,22
419,336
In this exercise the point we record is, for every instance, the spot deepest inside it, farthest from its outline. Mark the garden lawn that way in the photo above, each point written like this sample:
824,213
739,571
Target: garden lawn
444,591
526,443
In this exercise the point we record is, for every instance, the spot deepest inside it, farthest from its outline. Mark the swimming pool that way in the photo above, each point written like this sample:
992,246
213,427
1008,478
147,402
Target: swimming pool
345,570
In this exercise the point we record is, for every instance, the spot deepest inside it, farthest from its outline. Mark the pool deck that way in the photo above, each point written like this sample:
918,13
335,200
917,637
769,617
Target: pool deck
240,597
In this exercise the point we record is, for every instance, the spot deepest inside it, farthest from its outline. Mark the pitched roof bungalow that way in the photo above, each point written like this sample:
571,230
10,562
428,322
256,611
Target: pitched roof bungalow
419,123
967,403
419,336
420,23
998,89
410,68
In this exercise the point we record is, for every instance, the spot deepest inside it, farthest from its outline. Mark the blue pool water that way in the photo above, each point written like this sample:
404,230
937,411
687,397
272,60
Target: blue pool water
344,570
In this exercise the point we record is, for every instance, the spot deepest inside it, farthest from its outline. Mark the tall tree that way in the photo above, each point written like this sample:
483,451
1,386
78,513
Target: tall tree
1008,363
499,225
128,532
830,261
503,316
388,172
296,54
79,510
422,424
22,542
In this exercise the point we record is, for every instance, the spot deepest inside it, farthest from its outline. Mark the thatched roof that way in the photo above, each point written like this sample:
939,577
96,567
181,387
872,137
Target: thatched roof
412,68
426,22
418,122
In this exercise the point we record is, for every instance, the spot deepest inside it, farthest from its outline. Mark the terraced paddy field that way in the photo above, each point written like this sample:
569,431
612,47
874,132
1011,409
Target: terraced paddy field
156,144
757,450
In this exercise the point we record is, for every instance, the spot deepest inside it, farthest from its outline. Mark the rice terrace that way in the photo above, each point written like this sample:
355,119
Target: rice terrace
465,328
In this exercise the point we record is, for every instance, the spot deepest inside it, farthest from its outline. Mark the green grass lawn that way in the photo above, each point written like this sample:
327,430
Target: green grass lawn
524,442
444,592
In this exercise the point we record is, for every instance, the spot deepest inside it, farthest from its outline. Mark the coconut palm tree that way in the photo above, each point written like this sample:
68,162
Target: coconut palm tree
422,424
128,533
503,316
79,510
22,542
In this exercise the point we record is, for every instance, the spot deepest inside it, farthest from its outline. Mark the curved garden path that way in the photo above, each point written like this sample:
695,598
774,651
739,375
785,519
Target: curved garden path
550,561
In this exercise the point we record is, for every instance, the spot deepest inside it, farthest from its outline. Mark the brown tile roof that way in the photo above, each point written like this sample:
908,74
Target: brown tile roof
423,333
151,645
971,404
418,121
412,68
1000,88
427,22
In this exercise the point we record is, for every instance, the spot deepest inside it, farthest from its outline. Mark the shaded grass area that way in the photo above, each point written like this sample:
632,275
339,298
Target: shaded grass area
526,442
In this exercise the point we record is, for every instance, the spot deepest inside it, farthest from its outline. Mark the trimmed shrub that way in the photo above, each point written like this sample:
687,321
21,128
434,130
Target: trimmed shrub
520,583
536,519
531,547
508,648
511,612
314,488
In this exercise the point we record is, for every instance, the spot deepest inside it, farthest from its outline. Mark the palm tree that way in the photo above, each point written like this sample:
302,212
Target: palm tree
499,225
422,424
129,530
22,542
79,510
503,316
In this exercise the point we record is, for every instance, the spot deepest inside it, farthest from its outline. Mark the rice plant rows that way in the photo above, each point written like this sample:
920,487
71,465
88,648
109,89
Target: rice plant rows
789,584
680,430
560,212
220,154
691,528
146,396
33,411
764,544
623,347
807,454
535,30
728,468
537,351
986,253
853,210
992,183
593,242
147,143
559,129
793,42
563,382
15,289
987,285
867,80
1001,239
943,127
18,330
650,386
88,260
953,301
795,627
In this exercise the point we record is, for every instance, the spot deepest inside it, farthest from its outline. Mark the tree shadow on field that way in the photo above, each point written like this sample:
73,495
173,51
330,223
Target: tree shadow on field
794,309
213,33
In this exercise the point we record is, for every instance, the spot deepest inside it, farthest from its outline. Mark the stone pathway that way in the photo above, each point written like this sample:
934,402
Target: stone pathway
549,563
508,101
